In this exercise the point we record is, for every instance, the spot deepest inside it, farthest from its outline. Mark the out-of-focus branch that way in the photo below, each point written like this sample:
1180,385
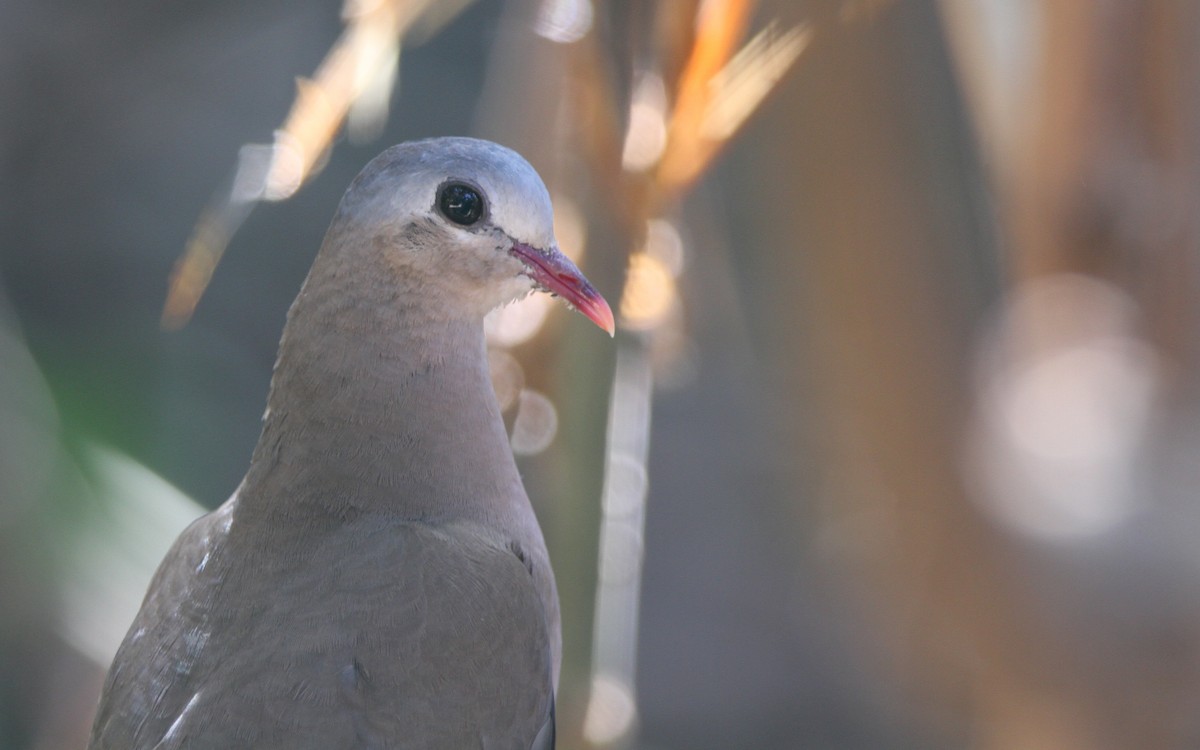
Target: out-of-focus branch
687,101
1002,460
1107,178
1099,334
353,82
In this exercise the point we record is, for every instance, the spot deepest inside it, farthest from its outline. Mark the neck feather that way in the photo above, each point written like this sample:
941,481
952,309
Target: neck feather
380,401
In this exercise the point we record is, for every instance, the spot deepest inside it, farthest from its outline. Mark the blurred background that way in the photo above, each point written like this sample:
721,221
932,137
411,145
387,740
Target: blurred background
895,446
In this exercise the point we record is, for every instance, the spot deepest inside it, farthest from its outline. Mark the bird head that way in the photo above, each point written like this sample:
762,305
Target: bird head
469,220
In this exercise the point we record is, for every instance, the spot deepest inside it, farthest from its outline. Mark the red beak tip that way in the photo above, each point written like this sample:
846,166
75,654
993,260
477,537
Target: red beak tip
605,319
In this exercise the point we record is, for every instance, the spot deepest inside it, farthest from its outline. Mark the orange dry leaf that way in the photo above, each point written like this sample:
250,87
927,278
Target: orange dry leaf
711,115
720,27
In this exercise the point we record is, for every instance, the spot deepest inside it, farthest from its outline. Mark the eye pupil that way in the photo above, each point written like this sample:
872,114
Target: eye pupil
461,204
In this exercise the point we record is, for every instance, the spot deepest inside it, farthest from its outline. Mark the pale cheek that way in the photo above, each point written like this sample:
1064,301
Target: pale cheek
474,268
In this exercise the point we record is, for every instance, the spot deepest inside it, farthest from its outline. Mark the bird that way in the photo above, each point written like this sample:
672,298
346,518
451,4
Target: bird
378,579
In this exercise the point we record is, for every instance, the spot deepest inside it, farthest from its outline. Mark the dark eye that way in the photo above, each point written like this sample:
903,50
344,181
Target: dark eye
460,203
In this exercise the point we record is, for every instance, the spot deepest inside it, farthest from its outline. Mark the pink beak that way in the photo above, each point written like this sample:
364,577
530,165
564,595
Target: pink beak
555,273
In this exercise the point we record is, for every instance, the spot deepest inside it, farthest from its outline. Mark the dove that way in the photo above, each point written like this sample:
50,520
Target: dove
378,579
